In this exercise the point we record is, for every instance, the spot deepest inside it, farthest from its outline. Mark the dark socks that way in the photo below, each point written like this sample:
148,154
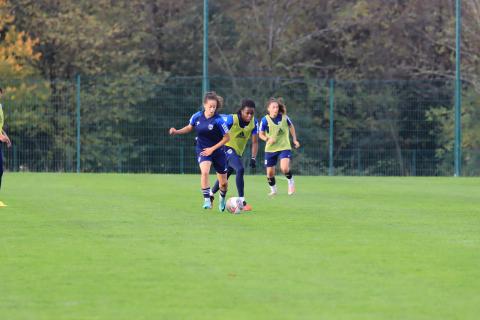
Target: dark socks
206,193
223,193
271,181
288,175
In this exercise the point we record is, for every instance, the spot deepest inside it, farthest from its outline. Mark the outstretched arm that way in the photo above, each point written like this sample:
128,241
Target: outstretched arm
188,128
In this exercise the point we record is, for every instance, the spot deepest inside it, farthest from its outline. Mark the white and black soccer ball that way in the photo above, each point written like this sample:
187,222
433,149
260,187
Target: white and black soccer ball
234,205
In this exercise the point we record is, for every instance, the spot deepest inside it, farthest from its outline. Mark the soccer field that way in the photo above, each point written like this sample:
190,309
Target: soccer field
107,246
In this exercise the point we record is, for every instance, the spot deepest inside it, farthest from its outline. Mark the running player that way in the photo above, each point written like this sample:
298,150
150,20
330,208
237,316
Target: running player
212,134
274,130
242,125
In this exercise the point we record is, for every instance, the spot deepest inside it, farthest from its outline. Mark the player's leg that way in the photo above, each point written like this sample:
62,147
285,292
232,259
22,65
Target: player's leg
216,186
204,182
285,157
1,173
223,181
236,163
270,163
219,161
1,166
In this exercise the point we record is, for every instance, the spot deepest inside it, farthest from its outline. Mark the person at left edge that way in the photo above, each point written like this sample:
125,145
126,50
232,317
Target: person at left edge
212,134
4,139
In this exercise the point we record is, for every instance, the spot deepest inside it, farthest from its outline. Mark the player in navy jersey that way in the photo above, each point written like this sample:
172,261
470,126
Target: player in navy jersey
274,130
241,125
212,134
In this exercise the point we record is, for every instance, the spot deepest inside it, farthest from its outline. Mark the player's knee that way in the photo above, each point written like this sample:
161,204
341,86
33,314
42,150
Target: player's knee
241,171
224,185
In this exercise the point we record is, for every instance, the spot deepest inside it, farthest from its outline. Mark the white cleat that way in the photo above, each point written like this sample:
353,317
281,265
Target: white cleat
273,193
291,189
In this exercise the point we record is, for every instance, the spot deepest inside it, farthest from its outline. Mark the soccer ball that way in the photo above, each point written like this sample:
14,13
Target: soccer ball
234,205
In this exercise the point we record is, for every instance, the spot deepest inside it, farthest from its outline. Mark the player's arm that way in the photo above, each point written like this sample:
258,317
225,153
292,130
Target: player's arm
209,151
253,160
5,139
294,136
188,128
254,145
262,134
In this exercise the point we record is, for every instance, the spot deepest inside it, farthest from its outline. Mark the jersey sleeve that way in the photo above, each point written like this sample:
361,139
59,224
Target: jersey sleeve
289,122
264,125
194,118
222,125
229,121
255,128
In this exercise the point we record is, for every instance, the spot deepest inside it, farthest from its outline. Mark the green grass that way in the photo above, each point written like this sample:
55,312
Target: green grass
140,247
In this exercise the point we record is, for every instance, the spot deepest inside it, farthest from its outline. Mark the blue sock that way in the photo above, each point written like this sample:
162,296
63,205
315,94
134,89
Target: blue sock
206,193
223,193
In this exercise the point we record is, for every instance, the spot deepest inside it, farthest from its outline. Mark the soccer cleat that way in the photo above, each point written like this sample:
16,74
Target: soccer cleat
246,207
272,193
291,189
222,203
2,204
207,204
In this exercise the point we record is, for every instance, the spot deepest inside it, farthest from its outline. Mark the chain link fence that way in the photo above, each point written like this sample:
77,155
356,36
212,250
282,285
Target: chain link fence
108,124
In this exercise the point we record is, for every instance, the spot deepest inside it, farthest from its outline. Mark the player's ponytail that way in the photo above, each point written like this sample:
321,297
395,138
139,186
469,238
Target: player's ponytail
212,95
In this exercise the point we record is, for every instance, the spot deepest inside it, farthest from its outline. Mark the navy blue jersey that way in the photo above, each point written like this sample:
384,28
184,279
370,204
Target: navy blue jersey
209,131
228,118
278,118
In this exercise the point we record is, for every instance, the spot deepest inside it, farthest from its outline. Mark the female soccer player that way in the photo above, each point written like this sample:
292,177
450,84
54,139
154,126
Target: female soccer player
274,130
5,139
212,134
242,126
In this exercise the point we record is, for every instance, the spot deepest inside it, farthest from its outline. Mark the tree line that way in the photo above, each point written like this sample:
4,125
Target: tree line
127,52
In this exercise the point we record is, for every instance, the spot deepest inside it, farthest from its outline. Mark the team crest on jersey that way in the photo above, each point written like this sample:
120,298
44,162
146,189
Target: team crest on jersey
210,126
230,151
198,122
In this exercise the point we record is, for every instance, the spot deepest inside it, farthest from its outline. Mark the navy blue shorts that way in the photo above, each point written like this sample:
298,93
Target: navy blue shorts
218,159
271,158
232,156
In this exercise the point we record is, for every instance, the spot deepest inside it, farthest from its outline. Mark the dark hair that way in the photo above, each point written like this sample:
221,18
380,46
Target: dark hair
212,95
1,90
246,103
282,108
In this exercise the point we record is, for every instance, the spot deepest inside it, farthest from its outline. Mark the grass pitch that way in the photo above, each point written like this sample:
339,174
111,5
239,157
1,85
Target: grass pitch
107,246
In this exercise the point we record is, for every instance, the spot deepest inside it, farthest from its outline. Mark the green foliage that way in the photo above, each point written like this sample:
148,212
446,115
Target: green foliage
444,125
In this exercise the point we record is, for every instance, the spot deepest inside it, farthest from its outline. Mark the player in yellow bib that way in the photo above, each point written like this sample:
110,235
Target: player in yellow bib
275,130
242,126
5,139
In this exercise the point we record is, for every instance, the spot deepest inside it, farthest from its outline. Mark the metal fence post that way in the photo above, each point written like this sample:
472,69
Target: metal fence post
458,92
78,123
330,146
